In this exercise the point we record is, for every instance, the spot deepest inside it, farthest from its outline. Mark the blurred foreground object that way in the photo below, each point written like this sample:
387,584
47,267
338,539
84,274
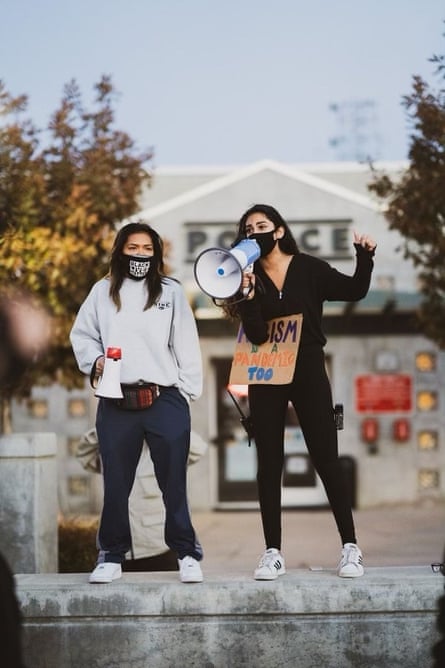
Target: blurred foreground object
24,335
25,330
10,619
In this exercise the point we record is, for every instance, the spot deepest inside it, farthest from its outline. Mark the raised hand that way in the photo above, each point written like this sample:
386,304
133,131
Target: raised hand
364,240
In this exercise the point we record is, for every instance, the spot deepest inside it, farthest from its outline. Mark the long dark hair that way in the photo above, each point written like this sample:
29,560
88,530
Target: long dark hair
287,245
287,242
156,273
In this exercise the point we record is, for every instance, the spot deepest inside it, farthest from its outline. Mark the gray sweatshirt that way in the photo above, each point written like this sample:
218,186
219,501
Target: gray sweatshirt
159,345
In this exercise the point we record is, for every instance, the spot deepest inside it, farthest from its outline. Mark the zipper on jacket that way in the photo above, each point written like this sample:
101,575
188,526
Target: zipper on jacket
280,294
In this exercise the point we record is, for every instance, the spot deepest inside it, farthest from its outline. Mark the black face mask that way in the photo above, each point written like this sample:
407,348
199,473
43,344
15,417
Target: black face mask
136,266
265,241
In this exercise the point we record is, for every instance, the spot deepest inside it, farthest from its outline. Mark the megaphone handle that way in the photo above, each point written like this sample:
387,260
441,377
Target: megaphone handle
248,270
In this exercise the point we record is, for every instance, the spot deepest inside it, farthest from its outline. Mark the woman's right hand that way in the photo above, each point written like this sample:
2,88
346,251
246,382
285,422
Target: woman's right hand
100,363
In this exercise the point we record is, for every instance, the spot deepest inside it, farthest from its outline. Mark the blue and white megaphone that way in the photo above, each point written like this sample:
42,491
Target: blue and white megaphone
219,272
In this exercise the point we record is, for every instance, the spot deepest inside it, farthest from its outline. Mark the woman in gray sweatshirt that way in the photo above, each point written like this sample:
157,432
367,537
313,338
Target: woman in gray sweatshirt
143,318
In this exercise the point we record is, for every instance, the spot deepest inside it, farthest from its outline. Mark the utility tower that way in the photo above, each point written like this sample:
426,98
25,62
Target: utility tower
356,136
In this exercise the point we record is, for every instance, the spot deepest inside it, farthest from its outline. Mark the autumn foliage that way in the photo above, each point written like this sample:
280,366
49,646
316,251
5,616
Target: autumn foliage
416,202
62,191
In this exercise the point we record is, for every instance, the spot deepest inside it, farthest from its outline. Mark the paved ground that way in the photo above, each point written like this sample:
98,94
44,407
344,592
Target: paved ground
402,535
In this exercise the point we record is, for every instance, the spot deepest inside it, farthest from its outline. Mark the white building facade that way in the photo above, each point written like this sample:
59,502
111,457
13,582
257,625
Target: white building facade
388,377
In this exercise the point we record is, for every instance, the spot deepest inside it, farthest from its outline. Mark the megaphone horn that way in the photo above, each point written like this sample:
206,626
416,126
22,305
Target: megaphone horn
219,272
110,383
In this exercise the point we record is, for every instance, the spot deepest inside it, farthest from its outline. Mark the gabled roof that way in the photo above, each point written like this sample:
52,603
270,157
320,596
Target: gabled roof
244,172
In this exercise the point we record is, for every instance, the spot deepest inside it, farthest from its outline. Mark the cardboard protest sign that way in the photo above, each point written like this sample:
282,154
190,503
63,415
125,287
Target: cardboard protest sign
272,362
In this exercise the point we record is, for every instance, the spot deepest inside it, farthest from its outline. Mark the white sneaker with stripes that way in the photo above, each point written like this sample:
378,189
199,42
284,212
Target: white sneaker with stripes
271,565
351,562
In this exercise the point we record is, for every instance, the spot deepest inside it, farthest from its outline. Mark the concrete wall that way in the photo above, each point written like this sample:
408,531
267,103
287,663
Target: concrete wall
306,619
28,502
391,474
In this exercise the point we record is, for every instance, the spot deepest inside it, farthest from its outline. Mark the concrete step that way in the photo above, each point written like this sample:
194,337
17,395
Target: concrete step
305,619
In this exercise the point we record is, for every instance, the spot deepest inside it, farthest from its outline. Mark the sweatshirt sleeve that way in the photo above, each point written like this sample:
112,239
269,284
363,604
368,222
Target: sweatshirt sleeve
184,343
337,286
85,334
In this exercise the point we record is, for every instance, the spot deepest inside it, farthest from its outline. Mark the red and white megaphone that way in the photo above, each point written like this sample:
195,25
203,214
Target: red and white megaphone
219,272
110,382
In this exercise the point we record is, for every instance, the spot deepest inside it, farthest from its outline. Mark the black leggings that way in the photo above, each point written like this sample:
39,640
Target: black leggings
311,397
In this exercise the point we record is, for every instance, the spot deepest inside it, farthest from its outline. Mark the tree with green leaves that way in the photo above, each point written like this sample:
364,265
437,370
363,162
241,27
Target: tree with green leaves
60,201
416,202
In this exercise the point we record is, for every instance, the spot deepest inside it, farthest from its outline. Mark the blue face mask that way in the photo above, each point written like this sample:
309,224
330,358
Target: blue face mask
137,266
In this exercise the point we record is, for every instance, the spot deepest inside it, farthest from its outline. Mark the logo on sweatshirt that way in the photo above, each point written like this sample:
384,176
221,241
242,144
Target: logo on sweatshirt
163,305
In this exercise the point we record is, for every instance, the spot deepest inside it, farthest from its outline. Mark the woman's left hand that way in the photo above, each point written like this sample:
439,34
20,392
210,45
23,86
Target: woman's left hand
367,242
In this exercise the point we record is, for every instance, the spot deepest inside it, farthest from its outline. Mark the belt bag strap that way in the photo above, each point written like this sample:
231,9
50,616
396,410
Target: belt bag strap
138,396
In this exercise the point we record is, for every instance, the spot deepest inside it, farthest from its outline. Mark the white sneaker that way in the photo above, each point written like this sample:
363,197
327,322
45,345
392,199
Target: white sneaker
271,565
107,571
190,570
351,562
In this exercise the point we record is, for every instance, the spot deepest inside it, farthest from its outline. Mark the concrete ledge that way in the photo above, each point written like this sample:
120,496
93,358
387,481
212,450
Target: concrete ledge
305,619
32,445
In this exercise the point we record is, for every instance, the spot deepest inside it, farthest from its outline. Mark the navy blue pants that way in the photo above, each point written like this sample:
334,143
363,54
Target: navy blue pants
311,397
165,426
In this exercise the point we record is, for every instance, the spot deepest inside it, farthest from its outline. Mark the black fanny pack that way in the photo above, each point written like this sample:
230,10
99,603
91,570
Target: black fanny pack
138,395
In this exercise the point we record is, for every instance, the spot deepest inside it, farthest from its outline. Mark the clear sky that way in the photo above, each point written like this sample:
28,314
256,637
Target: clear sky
231,81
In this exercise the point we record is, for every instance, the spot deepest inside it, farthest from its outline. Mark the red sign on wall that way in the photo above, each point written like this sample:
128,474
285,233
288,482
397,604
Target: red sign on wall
384,393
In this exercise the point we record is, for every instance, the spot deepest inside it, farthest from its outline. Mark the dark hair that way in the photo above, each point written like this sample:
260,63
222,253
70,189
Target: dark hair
287,242
117,270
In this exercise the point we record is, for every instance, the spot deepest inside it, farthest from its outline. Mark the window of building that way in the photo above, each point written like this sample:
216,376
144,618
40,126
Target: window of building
427,439
427,400
38,408
386,361
428,479
426,361
77,407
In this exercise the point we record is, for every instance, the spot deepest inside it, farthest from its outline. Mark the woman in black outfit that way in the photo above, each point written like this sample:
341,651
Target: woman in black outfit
284,282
